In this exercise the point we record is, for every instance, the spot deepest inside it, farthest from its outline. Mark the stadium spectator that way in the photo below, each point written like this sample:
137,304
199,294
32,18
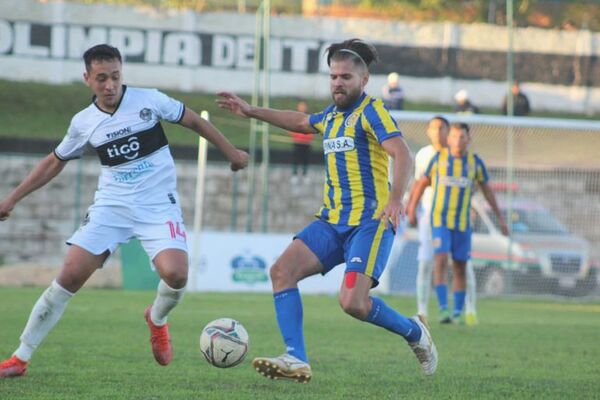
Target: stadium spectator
354,225
437,132
463,103
392,93
136,197
520,102
301,151
569,25
453,185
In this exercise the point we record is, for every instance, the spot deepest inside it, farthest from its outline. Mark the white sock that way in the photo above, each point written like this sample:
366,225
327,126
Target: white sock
166,299
45,314
471,298
423,286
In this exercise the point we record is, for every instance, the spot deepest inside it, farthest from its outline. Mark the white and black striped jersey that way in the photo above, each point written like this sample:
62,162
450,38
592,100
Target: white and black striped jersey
137,166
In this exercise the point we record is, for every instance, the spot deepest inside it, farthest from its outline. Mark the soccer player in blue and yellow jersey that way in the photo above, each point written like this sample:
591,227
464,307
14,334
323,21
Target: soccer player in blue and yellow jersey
360,209
453,173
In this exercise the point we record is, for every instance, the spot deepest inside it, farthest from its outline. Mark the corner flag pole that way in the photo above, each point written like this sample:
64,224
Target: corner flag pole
198,206
254,127
510,137
266,77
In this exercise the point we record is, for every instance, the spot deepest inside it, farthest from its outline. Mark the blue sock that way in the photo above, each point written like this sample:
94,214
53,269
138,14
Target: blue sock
442,295
459,302
288,308
383,315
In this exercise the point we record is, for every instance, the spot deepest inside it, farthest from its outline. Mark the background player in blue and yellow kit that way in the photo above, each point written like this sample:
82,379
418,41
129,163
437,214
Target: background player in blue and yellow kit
453,173
354,224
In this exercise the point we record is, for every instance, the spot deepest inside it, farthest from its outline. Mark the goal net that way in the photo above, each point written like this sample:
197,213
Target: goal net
546,175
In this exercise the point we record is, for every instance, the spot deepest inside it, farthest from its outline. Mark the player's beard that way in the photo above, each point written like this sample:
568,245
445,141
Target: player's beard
349,97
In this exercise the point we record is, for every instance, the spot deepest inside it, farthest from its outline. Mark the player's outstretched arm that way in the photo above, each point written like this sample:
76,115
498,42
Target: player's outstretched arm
238,159
403,163
42,173
491,199
294,121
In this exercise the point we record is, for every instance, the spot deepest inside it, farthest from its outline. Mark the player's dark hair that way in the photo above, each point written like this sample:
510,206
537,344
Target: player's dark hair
101,52
462,126
354,49
442,119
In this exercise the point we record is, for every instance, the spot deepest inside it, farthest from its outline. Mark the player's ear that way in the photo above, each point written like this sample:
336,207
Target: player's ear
86,78
365,78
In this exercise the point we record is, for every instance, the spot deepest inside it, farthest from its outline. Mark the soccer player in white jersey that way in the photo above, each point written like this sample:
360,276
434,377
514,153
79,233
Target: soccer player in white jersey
136,198
437,132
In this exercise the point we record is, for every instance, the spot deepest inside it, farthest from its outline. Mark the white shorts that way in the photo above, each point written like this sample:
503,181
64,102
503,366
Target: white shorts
157,227
425,243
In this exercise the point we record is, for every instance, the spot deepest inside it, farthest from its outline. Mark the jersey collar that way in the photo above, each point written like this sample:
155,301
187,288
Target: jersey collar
118,104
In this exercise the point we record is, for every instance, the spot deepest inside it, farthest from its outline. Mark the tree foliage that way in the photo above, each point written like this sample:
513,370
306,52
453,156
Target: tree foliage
542,13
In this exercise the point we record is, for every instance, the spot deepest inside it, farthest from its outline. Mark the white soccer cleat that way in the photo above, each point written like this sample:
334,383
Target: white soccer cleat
425,349
285,366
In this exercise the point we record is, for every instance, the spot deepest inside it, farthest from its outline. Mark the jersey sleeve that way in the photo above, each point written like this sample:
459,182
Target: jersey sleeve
422,160
430,171
481,174
380,122
317,121
73,144
167,108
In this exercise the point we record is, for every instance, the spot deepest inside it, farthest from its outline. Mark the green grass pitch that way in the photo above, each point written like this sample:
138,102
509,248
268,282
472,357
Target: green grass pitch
100,350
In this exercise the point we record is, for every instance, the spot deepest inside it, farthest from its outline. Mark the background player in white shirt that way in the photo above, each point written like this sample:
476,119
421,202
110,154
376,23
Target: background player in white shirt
136,198
437,131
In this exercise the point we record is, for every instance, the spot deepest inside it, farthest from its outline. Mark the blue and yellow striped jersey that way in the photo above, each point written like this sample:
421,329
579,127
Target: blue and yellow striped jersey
356,165
453,182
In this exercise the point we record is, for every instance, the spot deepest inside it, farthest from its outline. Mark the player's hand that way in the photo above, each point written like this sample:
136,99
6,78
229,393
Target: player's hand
233,103
240,162
412,218
394,211
6,207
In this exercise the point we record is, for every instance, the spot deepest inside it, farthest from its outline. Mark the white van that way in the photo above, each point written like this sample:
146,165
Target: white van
544,258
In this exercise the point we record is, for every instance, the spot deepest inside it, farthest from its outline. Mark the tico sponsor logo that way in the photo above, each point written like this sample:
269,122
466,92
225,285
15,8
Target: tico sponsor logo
129,150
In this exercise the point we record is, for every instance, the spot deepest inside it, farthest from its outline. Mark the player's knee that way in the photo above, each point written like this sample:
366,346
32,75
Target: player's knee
68,283
279,275
459,269
71,282
356,308
180,282
176,278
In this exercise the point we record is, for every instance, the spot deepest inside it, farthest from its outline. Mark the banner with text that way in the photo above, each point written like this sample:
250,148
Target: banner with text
172,49
240,262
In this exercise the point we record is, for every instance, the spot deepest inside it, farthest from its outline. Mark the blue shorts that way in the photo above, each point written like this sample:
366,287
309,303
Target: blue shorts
452,241
364,248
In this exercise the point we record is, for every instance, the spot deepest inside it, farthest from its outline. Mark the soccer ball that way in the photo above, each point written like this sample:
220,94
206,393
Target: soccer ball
224,342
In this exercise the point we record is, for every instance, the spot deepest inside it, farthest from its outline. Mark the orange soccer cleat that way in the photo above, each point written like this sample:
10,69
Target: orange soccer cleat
160,340
13,367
